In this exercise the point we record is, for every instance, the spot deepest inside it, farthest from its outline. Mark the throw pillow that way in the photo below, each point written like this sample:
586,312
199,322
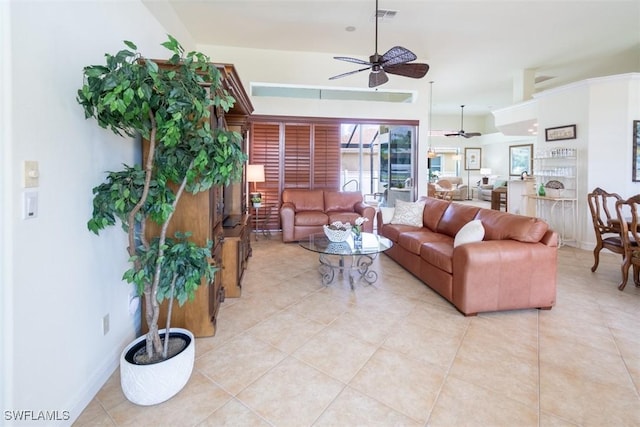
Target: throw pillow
473,231
387,214
408,213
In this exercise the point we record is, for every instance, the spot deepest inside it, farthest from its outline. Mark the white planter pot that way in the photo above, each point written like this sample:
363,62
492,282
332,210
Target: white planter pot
152,384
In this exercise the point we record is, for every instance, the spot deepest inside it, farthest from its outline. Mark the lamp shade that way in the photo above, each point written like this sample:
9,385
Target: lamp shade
255,173
485,171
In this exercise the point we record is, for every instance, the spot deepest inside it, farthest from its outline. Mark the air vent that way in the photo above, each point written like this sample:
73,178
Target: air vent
285,91
386,15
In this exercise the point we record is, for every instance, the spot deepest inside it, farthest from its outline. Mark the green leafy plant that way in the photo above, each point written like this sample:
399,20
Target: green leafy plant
168,104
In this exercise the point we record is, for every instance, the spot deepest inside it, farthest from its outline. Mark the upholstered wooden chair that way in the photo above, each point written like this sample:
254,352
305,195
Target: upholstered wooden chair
605,225
627,215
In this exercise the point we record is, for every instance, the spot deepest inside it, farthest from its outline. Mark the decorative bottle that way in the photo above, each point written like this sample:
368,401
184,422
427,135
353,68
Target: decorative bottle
541,191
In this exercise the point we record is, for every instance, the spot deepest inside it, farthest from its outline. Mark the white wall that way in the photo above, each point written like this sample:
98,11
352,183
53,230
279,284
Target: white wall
59,280
603,111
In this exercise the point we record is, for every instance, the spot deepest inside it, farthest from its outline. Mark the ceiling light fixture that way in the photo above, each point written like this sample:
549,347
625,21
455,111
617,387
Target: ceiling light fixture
431,153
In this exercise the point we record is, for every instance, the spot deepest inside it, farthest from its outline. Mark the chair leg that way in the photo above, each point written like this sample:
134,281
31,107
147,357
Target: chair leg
625,272
596,257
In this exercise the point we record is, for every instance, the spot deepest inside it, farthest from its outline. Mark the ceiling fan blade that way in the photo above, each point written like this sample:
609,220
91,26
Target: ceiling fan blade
454,134
397,55
348,59
348,74
471,134
377,78
413,70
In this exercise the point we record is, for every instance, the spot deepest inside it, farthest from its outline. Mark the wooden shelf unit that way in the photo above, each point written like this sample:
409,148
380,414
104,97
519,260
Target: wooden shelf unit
203,214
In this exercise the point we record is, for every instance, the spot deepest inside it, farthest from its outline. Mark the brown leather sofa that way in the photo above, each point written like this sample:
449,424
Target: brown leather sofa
513,267
304,212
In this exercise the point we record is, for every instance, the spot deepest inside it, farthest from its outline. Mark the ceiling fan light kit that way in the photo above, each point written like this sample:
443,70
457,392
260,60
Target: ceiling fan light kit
461,132
396,60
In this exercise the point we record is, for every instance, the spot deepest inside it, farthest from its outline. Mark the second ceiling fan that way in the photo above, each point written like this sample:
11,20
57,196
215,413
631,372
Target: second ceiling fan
395,61
461,132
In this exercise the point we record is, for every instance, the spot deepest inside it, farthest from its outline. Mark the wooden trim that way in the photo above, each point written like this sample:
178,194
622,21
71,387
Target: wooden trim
259,118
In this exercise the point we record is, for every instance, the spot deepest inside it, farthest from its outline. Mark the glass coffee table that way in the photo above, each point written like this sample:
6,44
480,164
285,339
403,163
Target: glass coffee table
341,256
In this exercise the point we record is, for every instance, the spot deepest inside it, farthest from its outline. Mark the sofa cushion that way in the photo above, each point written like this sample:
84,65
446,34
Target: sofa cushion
304,199
439,254
349,217
408,213
502,225
387,214
471,232
455,217
341,201
413,240
307,218
433,211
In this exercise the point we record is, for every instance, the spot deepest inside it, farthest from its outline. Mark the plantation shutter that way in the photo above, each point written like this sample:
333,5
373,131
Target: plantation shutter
265,150
326,156
294,155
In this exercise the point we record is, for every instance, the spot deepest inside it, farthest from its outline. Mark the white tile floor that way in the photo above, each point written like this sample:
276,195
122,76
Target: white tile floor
291,352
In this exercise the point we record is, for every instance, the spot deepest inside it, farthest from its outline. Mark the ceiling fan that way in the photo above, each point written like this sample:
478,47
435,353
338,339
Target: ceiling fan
395,61
461,132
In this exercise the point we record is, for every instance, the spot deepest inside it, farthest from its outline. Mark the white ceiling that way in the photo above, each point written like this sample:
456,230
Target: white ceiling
474,48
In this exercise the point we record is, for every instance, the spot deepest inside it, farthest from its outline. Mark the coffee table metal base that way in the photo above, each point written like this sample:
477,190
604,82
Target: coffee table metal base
357,266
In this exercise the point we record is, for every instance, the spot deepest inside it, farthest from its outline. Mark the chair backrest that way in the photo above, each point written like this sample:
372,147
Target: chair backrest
431,189
627,216
599,203
445,184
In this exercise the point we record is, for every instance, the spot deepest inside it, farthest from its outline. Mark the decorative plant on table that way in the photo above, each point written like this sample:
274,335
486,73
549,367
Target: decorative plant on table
357,228
168,106
357,231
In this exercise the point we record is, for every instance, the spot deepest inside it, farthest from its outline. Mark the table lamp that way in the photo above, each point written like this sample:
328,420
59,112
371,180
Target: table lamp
485,172
255,173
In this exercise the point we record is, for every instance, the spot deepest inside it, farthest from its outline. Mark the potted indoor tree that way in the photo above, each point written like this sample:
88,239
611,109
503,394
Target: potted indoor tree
168,105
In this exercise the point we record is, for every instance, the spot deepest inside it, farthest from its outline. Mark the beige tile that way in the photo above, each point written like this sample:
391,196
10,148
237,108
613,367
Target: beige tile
199,399
465,404
238,362
424,343
94,415
492,359
322,307
406,385
286,330
396,353
336,353
234,414
291,394
353,408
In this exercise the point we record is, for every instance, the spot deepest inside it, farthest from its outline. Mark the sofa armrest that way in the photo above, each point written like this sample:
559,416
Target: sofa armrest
503,274
287,220
368,212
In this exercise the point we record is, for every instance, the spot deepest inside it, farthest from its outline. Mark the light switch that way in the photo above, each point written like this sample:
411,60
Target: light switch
31,174
30,208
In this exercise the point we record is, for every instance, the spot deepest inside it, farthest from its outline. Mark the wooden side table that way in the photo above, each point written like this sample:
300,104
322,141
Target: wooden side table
499,198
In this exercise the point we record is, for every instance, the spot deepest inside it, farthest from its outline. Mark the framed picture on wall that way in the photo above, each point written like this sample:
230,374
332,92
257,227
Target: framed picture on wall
472,158
520,159
636,150
560,132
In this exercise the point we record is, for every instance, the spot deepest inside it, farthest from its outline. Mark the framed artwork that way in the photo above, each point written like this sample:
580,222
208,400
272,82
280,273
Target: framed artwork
560,132
472,158
520,159
636,150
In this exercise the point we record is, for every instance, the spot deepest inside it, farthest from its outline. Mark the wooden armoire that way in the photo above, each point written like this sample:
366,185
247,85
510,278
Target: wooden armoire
204,215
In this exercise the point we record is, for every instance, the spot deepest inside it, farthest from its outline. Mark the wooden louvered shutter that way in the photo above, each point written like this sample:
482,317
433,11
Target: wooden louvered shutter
265,150
297,156
326,156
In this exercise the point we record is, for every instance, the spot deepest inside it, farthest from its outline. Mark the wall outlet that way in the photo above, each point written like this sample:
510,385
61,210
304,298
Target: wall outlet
105,324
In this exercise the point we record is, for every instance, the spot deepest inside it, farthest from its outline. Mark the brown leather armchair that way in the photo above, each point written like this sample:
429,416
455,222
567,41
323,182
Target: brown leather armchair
304,212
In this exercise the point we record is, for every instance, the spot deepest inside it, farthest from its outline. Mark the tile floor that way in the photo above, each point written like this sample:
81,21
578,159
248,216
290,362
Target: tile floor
291,352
